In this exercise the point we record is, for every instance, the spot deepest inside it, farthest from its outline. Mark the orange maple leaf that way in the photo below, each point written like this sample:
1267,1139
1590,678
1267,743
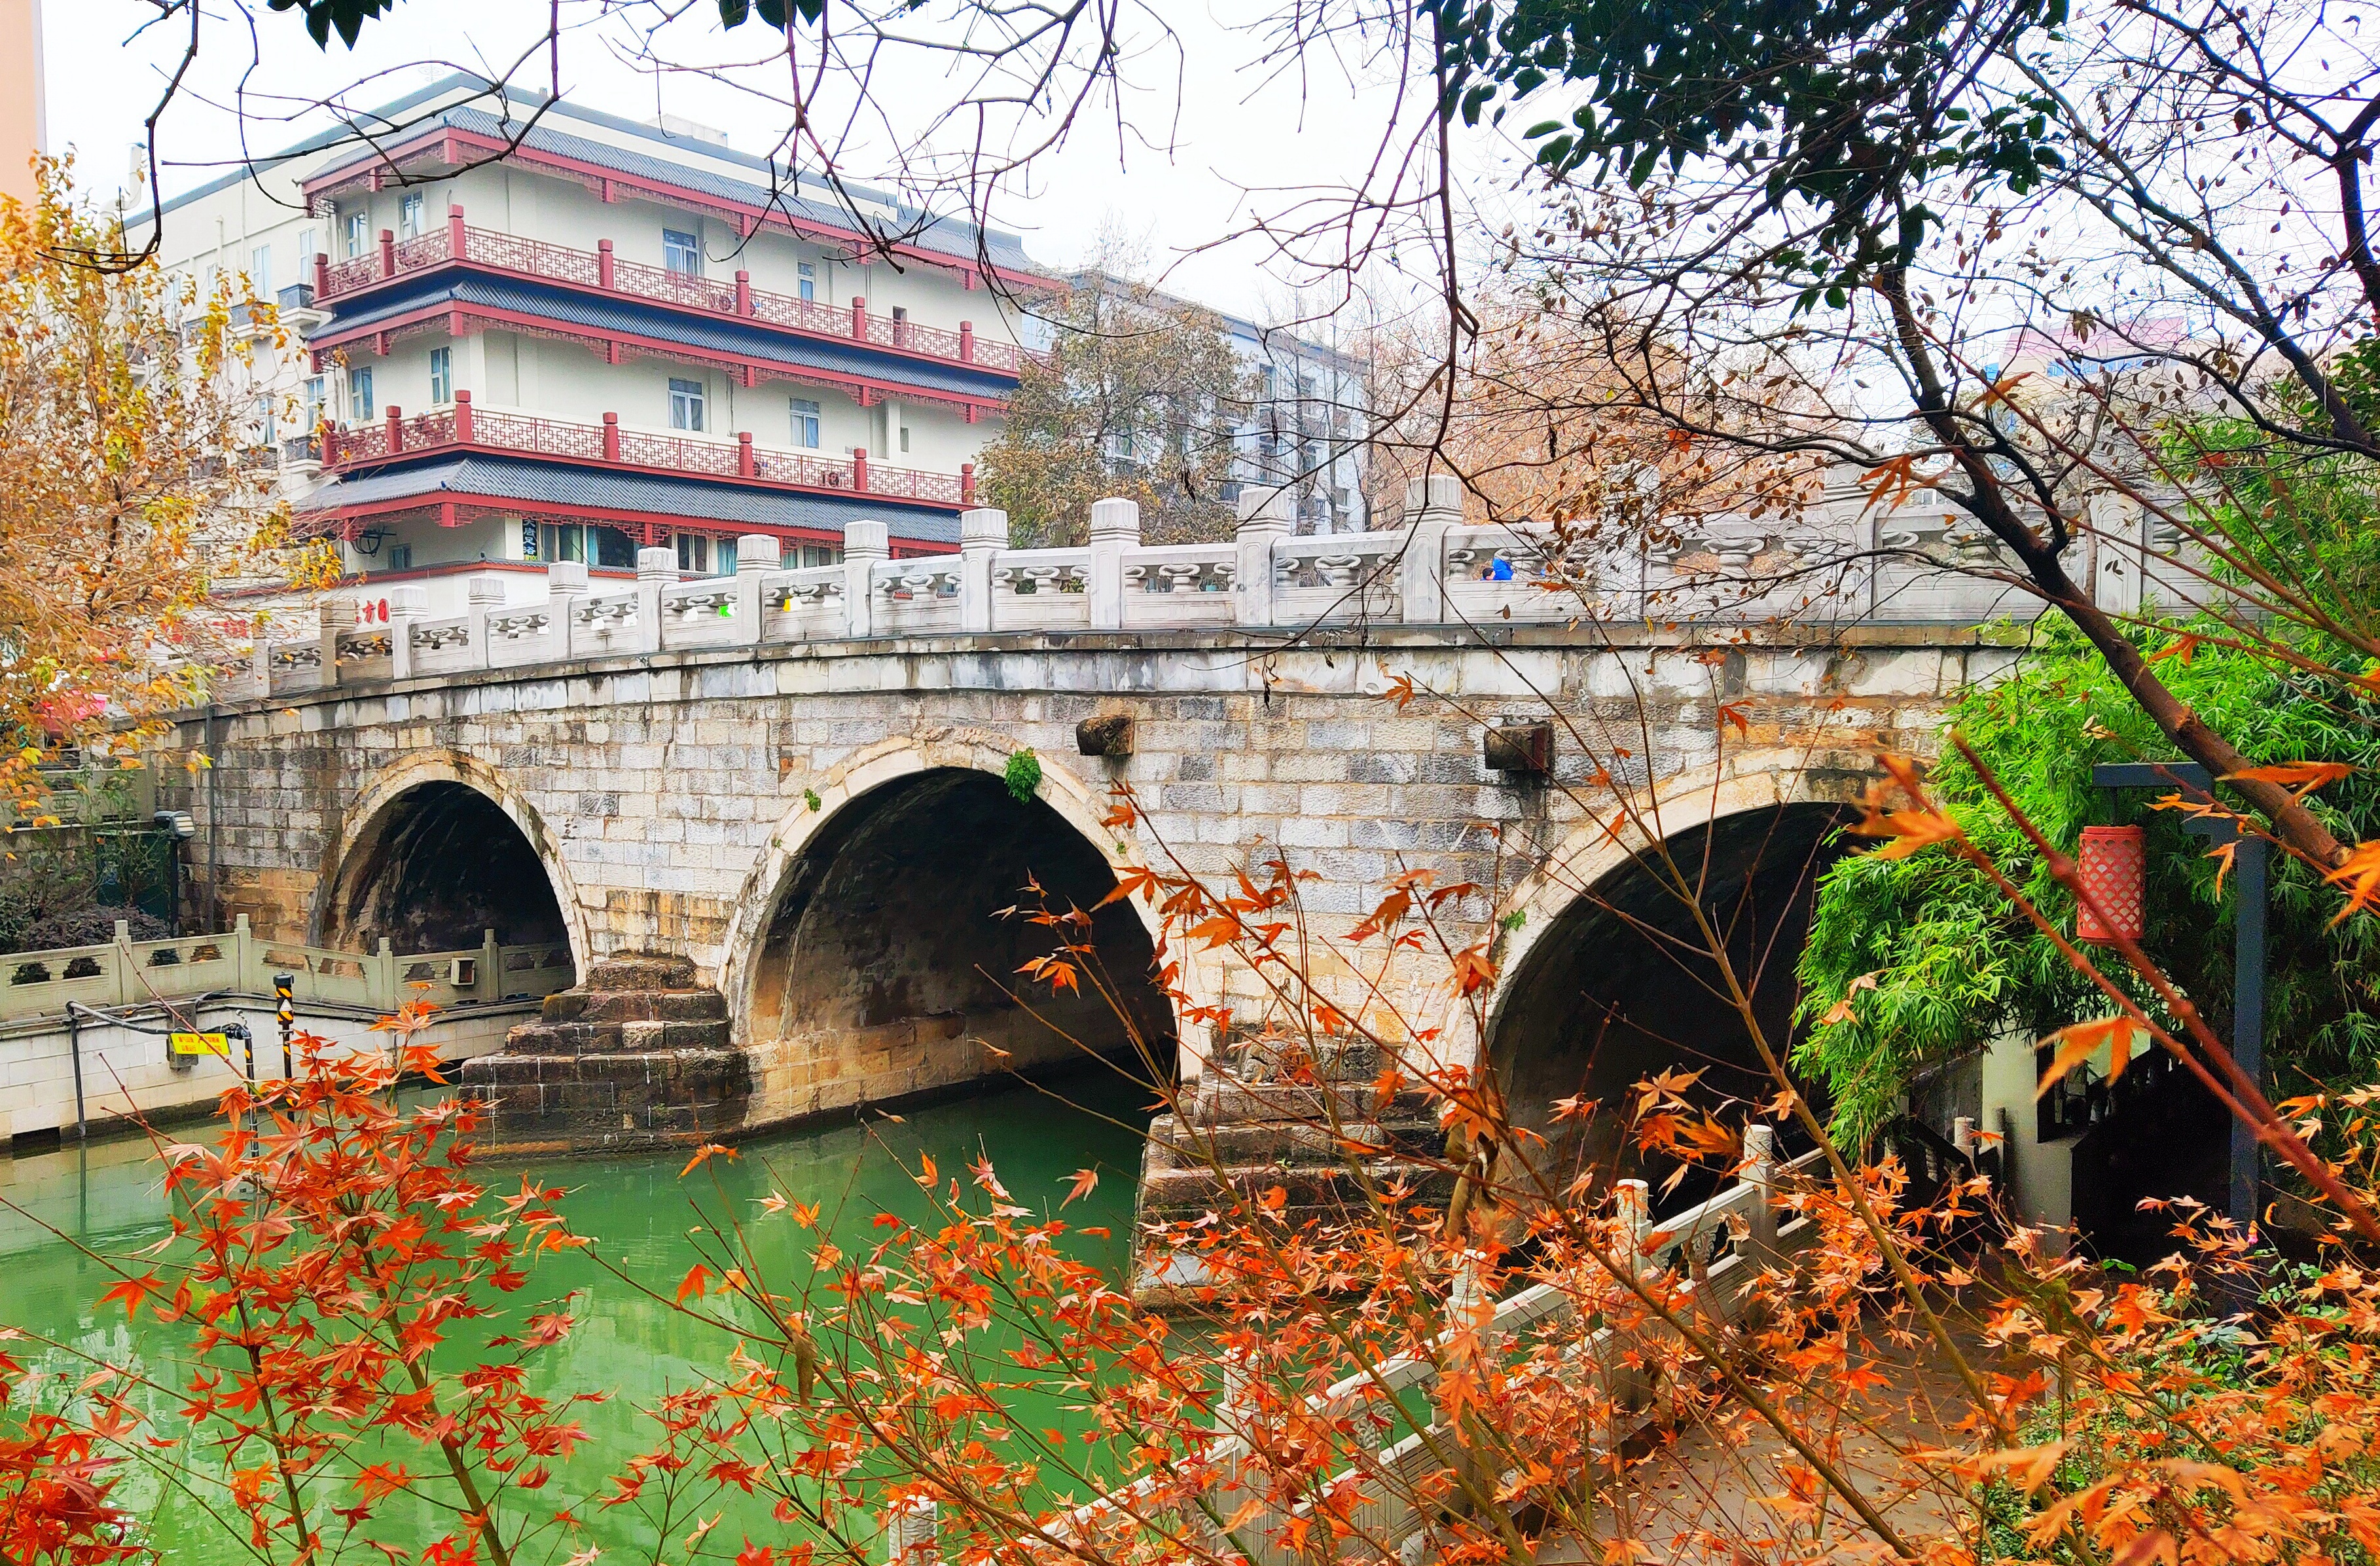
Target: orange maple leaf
1086,1181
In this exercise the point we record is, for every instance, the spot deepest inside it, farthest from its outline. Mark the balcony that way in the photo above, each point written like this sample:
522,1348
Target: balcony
462,428
600,271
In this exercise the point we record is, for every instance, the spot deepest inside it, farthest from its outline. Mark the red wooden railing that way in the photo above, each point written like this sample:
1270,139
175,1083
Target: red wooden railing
464,426
601,270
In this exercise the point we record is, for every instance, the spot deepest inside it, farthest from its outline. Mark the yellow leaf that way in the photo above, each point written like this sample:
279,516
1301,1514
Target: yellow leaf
1842,1010
2303,776
2079,1042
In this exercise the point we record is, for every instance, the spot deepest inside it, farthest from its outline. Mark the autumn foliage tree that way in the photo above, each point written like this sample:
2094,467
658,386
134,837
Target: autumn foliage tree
125,416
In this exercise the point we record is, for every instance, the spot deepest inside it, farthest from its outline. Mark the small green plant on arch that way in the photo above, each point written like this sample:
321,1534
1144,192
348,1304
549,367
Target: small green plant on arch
1023,775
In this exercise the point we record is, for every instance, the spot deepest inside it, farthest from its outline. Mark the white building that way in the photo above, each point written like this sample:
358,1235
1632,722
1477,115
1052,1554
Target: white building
585,336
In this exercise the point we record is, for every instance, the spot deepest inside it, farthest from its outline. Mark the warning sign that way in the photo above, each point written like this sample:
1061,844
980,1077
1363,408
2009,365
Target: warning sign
200,1044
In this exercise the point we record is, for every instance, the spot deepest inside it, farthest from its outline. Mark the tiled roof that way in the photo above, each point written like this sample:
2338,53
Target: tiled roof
723,334
501,479
940,235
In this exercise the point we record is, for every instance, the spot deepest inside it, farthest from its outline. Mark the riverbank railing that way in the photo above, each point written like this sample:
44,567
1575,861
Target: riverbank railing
124,972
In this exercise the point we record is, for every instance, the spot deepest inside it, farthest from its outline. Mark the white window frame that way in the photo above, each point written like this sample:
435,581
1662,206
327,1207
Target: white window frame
260,270
410,209
688,405
441,375
679,246
360,394
359,233
806,280
808,423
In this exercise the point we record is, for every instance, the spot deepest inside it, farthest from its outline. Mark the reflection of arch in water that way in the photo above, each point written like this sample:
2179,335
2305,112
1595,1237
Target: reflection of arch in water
440,852
882,966
1618,986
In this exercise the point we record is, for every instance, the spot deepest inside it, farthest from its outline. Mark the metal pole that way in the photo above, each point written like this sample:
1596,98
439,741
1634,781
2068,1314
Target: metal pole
74,1048
286,1014
2248,1018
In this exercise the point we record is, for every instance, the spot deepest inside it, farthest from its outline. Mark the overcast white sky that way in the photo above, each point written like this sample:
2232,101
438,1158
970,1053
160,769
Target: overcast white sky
1243,126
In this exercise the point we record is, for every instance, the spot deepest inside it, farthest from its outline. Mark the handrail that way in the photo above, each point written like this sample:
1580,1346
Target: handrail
462,425
601,270
124,972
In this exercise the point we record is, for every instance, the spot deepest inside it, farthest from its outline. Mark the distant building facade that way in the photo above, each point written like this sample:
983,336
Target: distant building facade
615,335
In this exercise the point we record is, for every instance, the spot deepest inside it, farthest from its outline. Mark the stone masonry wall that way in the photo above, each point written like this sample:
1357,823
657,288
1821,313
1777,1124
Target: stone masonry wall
667,794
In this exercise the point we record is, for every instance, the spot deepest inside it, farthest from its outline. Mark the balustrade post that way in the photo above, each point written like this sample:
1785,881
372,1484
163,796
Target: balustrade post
1962,1134
603,266
858,319
1760,1173
565,584
983,533
463,419
743,293
456,243
484,597
1115,528
491,976
967,341
757,554
911,1534
388,252
395,439
405,606
966,483
745,467
332,617
1433,507
859,469
386,994
322,277
1264,522
656,568
611,437
329,444
865,541
261,660
1632,1198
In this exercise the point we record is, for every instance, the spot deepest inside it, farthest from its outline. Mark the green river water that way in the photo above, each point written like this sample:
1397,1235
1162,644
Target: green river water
109,1197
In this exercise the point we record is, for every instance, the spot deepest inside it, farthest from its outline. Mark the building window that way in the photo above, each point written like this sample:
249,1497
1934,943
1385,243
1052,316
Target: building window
307,249
682,253
400,557
901,330
686,404
1120,446
821,554
805,422
905,439
723,558
260,272
316,401
441,376
408,217
610,548
808,275
359,396
564,541
358,233
693,552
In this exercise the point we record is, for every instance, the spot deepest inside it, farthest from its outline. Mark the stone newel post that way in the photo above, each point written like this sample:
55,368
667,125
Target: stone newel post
983,533
757,554
656,568
1433,507
405,606
484,597
1115,528
1264,521
332,616
865,541
565,584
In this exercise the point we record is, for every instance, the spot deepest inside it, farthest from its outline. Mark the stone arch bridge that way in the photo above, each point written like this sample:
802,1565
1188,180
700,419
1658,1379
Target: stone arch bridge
792,785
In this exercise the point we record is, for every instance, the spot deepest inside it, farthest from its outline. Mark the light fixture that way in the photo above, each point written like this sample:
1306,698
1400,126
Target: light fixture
2114,867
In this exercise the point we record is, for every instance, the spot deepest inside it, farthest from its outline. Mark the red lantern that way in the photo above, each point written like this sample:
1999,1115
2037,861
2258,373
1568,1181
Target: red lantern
2115,869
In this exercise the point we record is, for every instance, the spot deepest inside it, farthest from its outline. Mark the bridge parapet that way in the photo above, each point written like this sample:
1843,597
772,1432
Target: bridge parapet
1842,561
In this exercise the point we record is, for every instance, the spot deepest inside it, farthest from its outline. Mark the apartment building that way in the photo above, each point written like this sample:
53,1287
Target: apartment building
617,335
1309,418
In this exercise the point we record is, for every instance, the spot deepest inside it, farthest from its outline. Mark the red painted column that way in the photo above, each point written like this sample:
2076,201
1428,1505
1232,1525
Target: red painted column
388,252
611,437
859,469
329,444
744,293
395,430
858,319
463,419
743,466
454,240
967,341
322,274
604,263
966,483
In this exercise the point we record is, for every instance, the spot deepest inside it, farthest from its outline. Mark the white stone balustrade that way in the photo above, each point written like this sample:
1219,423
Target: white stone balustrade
1437,570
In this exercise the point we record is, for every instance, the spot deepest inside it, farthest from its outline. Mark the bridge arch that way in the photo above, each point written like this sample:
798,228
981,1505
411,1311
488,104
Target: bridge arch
436,848
863,958
1603,981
